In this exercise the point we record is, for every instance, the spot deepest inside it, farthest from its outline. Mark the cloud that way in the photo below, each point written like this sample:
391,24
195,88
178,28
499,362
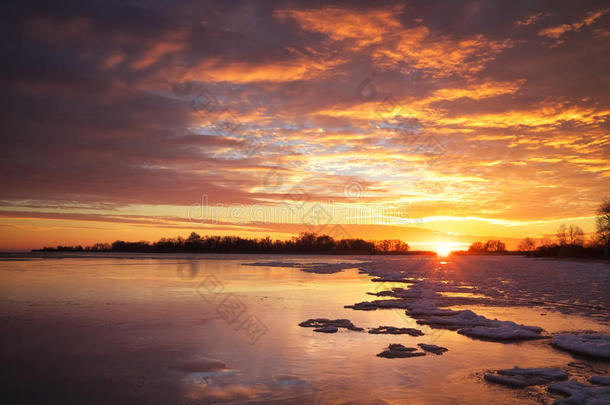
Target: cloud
531,19
300,68
381,34
557,31
121,107
363,28
170,43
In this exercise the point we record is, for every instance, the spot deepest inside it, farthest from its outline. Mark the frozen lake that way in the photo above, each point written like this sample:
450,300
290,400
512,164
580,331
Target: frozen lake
182,329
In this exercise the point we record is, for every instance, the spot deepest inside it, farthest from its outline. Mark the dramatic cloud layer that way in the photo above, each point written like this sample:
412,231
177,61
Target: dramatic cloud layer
408,119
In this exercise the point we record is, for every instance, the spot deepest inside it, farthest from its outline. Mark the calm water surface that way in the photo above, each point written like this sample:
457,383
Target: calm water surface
206,329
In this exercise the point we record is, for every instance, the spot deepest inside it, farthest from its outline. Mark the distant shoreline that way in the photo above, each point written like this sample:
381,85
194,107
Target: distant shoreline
316,244
51,252
38,254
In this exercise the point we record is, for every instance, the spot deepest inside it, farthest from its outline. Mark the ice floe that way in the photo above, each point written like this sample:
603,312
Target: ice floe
524,377
423,301
392,279
327,329
599,380
428,307
432,348
470,324
396,350
505,331
392,330
589,344
321,323
578,393
373,305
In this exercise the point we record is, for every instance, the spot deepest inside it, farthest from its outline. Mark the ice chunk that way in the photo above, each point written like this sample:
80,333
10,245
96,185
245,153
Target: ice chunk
396,350
391,279
473,325
517,382
432,348
392,354
599,380
393,330
428,307
400,347
504,331
462,319
524,377
578,393
320,323
589,344
327,329
373,305
548,372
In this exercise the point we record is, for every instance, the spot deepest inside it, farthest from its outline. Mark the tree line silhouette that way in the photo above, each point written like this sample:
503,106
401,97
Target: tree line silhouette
304,243
570,240
491,246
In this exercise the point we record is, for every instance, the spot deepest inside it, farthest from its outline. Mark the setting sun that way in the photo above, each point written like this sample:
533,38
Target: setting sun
443,249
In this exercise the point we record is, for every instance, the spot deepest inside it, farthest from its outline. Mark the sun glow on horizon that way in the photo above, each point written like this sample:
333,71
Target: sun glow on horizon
444,249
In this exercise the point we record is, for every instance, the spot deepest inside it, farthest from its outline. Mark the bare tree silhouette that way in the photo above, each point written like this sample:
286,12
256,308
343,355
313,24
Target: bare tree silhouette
562,234
603,225
527,245
576,236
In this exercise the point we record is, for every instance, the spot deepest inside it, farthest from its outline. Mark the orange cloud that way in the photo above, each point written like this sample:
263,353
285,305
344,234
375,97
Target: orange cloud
539,117
439,55
299,68
559,30
113,60
364,28
421,107
531,19
477,91
172,42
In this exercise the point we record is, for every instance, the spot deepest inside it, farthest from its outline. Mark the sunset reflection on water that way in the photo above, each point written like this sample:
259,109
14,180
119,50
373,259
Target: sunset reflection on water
140,328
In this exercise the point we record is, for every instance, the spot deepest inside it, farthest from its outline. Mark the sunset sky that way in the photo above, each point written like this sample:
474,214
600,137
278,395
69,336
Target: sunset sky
453,121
